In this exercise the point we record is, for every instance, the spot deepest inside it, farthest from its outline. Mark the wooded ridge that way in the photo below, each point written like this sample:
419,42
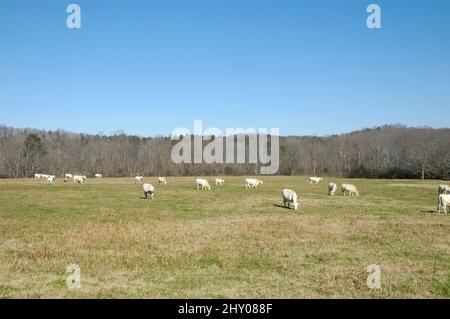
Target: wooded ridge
390,151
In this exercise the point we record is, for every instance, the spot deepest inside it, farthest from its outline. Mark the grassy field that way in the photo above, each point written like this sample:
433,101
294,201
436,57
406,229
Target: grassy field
225,243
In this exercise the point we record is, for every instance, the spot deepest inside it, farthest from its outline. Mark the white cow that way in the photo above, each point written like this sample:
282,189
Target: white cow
332,187
68,176
202,184
78,179
349,189
289,197
219,181
162,180
443,202
37,176
149,191
98,176
138,179
252,182
443,189
315,180
51,179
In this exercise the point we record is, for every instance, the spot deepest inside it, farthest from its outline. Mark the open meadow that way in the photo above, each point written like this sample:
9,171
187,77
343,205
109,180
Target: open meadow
229,242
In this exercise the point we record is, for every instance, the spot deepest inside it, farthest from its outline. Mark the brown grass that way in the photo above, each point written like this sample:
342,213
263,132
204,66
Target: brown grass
226,243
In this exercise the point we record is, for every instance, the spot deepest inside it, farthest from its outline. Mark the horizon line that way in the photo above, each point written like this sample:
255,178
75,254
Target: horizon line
120,132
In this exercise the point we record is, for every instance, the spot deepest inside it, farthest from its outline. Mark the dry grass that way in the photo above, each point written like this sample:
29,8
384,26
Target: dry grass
226,243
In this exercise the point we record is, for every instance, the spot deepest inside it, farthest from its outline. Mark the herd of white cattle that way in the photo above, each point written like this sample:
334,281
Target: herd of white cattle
50,178
290,198
67,177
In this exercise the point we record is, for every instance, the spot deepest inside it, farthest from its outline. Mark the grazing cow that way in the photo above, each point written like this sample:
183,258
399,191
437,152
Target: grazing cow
332,187
349,189
289,197
443,189
78,179
219,181
68,176
252,182
202,184
149,191
37,176
443,202
98,176
162,180
315,180
51,179
138,179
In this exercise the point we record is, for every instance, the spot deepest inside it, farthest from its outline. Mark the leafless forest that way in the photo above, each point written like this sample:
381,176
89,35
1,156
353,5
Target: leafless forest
382,152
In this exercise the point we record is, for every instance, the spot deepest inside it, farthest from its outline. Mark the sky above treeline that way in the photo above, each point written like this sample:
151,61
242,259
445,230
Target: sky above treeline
148,67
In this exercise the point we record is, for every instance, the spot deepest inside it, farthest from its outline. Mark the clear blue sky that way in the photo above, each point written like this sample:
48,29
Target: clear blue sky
147,67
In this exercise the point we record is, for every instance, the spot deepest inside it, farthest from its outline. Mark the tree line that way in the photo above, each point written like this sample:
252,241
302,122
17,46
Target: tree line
390,151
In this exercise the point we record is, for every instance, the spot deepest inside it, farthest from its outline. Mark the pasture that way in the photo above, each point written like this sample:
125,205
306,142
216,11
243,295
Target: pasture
229,242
